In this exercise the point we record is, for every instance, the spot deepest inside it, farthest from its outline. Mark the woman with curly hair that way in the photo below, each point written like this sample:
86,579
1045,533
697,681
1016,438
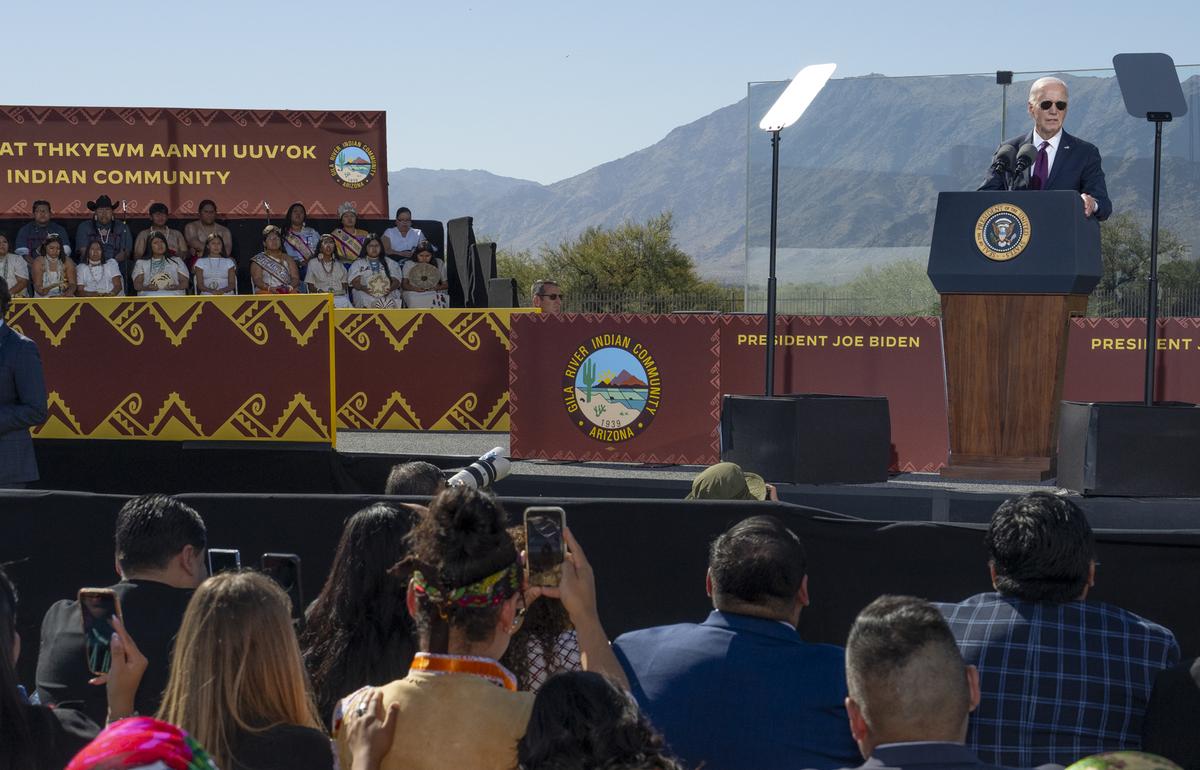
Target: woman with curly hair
357,632
458,706
583,721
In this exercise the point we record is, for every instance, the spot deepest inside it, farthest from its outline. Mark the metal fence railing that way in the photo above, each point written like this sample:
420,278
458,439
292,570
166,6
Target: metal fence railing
1128,300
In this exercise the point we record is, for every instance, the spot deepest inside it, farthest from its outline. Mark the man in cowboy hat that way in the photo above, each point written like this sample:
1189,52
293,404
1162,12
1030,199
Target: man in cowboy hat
176,243
113,236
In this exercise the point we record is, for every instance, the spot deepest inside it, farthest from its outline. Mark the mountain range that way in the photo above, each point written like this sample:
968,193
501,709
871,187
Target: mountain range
859,175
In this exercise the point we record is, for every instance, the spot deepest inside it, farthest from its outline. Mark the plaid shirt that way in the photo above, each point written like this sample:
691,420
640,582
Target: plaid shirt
1058,682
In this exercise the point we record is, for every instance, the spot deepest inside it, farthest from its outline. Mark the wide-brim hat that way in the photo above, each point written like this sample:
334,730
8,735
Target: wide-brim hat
727,481
103,202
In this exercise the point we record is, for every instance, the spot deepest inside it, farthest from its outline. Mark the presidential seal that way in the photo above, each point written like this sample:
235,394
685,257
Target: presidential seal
611,388
352,164
1002,232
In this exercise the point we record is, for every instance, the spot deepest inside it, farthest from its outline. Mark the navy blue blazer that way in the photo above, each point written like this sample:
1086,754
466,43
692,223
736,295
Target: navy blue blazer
22,405
1076,167
741,692
927,756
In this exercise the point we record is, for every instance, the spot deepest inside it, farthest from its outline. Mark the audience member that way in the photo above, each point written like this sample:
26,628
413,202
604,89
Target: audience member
401,240
347,235
299,240
31,737
271,270
176,243
458,707
547,296
22,402
215,272
113,236
1060,677
32,234
53,272
357,632
143,743
742,689
198,231
375,278
159,274
727,481
237,682
416,479
910,692
14,268
97,276
160,556
545,644
423,279
1173,715
326,274
582,720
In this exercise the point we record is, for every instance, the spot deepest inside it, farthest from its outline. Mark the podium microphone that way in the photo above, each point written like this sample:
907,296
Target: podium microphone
1002,163
1026,157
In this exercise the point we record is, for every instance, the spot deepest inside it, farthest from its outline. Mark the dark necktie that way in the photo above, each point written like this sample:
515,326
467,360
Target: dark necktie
1041,169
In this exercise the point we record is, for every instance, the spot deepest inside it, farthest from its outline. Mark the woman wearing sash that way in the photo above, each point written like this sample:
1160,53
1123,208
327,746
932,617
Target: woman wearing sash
215,272
348,237
458,706
97,276
327,275
13,269
159,274
375,278
272,271
299,240
53,273
423,279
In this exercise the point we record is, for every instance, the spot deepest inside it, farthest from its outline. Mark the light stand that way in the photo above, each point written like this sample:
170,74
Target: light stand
787,109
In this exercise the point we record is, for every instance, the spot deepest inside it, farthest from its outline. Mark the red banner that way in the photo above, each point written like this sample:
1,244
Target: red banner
237,158
1106,360
615,388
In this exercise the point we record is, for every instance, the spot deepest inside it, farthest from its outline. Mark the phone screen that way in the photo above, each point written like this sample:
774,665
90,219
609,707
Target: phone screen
284,569
98,606
544,547
223,560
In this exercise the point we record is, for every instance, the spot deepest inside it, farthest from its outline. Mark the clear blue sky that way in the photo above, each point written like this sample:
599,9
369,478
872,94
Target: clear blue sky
533,88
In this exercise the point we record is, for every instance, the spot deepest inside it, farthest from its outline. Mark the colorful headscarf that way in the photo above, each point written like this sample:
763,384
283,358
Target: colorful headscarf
491,590
145,744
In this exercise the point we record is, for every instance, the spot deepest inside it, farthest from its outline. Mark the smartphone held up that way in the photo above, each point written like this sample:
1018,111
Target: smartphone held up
98,606
545,547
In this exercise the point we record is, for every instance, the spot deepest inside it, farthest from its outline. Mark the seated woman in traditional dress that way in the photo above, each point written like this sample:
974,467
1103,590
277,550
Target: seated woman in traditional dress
97,276
423,279
216,273
53,272
349,238
13,269
327,275
159,274
272,271
374,277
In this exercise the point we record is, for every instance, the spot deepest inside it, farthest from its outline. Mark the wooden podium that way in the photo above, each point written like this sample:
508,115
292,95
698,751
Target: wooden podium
1012,268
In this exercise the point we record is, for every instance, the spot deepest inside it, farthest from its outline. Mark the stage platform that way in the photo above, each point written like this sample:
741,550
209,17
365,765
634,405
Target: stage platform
363,459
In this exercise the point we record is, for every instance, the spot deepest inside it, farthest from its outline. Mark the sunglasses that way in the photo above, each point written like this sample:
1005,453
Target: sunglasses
554,296
1046,105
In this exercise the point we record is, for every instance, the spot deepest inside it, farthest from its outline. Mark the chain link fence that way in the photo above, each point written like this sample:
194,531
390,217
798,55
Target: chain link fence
1126,301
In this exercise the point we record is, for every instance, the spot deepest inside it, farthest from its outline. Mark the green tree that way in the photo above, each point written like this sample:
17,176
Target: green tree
897,288
523,267
1125,250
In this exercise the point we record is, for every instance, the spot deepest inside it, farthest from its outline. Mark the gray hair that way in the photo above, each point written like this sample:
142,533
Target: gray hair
1037,85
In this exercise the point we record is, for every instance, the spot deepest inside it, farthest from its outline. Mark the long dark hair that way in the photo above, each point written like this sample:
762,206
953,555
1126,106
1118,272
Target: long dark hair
545,621
383,257
358,631
582,720
16,740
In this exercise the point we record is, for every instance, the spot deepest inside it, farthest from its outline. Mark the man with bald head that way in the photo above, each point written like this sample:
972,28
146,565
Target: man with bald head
1064,162
910,692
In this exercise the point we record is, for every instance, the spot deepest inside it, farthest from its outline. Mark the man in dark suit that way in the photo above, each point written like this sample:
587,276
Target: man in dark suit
742,689
161,557
1064,162
910,692
22,401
